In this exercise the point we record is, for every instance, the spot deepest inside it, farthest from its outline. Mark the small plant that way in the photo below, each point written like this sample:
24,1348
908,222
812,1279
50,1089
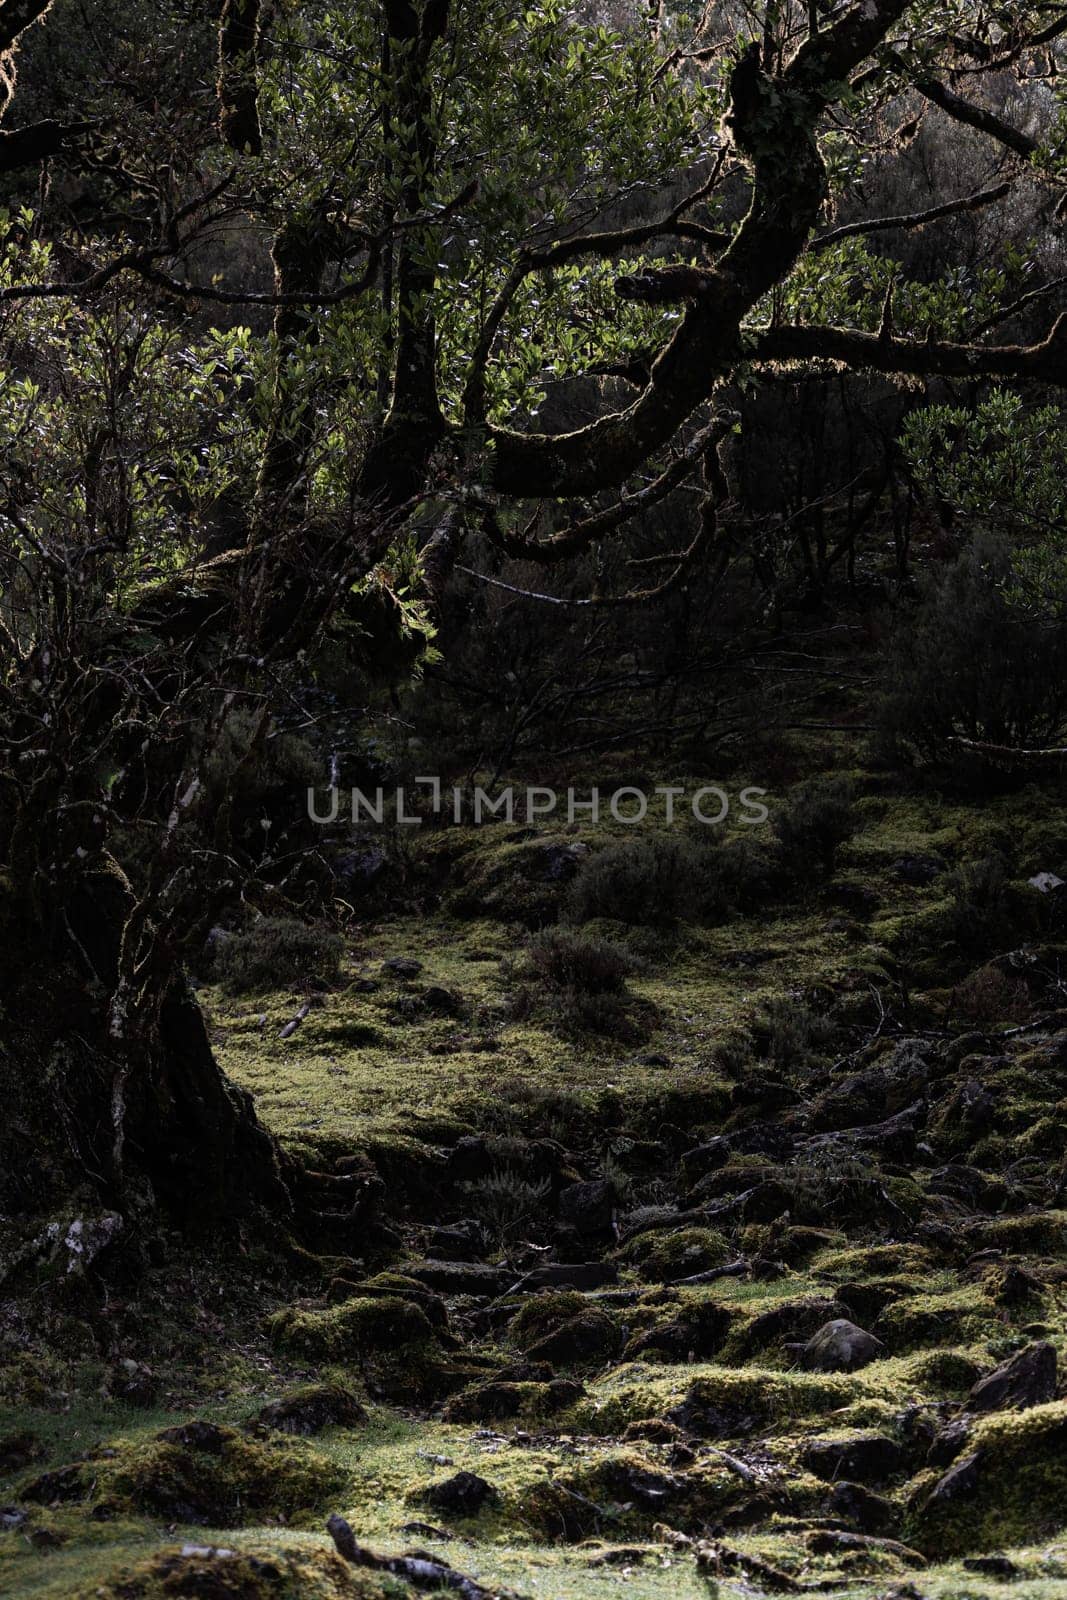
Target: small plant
817,819
508,1200
576,985
980,915
643,881
559,959
791,1032
275,952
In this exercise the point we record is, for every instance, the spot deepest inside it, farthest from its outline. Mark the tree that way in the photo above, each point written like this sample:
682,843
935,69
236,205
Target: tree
474,209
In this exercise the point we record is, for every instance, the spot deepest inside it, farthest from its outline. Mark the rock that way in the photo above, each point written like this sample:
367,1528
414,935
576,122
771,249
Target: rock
840,1346
572,1275
589,1336
1027,1379
960,1479
588,1207
310,1410
1044,883
17,1450
459,1241
463,1495
402,967
11,1517
862,1458
461,1277
870,1513
994,1566
205,1436
947,1444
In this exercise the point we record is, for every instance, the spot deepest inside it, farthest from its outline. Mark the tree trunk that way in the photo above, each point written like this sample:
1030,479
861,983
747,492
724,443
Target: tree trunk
192,1144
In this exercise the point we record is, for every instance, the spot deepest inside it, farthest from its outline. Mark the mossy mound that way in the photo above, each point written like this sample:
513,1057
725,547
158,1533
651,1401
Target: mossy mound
670,1257
1010,1487
312,1408
199,1475
391,1339
355,1328
257,1572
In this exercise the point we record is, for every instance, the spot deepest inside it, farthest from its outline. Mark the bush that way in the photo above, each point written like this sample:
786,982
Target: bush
657,882
791,1033
558,959
980,915
972,664
816,820
576,985
640,881
274,952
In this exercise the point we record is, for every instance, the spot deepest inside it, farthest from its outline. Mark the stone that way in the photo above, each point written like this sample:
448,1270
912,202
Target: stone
869,1512
402,967
1026,1379
588,1208
310,1410
463,1495
861,1458
840,1346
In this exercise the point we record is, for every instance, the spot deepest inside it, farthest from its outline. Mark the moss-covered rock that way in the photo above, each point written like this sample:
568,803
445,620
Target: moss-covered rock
1010,1488
201,1475
254,1572
668,1256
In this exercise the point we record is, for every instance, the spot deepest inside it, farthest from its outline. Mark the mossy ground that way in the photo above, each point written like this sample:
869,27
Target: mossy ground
694,1412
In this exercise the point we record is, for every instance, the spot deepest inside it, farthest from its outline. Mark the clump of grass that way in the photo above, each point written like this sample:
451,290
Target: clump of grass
576,985
276,951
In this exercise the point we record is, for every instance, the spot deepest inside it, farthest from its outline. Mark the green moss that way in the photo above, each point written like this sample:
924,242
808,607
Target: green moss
664,1257
228,1482
1018,1492
358,1327
257,1571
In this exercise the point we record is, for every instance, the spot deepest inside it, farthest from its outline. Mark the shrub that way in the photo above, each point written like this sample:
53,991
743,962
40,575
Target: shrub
657,882
816,820
640,881
576,985
276,951
791,1033
558,959
972,664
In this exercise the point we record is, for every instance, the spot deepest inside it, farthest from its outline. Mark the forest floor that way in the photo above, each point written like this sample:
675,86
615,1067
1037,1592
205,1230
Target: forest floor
762,1292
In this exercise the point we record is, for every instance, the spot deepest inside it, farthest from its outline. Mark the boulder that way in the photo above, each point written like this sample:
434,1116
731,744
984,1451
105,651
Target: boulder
463,1495
840,1346
1026,1379
862,1458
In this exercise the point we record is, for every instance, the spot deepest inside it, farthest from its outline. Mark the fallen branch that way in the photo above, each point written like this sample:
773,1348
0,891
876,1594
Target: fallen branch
417,1570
